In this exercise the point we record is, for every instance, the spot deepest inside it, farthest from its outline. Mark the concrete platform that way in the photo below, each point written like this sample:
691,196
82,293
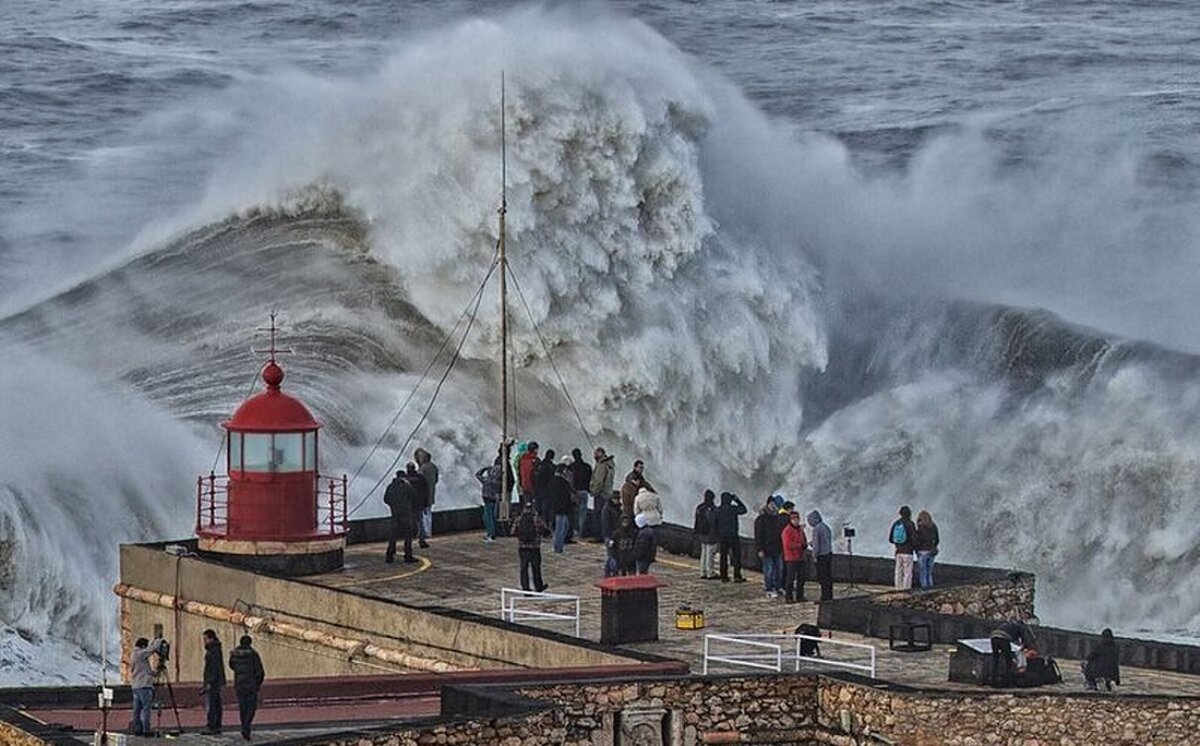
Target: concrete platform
461,571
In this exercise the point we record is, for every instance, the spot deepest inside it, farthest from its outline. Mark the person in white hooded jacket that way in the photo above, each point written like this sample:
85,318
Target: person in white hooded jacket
647,503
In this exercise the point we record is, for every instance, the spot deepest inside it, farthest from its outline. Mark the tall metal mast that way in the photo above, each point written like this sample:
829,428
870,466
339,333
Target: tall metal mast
506,492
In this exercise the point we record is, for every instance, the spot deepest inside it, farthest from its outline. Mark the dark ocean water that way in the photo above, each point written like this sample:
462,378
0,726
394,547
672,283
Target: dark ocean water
855,251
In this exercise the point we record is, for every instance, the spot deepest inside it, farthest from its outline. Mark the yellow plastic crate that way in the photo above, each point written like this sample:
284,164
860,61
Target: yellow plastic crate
686,618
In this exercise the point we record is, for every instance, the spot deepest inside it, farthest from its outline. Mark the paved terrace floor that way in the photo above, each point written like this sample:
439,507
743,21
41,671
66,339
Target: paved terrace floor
463,572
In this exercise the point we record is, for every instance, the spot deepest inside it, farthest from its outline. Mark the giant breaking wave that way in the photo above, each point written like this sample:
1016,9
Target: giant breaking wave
698,270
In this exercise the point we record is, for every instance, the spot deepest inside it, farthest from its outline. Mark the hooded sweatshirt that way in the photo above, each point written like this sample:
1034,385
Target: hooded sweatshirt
822,536
647,503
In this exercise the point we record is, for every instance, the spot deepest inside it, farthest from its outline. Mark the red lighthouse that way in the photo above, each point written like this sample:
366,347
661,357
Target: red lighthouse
273,511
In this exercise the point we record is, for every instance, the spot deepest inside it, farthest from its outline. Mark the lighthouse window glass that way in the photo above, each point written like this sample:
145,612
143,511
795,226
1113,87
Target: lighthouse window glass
289,451
310,451
235,451
256,452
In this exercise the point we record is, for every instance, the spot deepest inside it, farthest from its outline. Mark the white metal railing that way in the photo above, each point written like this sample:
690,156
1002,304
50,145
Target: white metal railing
512,599
771,651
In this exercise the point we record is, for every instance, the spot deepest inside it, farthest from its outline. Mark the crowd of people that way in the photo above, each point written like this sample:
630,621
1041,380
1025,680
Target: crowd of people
555,496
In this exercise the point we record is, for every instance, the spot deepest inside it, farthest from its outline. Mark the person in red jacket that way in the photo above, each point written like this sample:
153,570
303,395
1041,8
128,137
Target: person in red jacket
526,469
795,545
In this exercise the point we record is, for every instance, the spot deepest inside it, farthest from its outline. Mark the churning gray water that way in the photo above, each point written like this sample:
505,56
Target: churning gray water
858,252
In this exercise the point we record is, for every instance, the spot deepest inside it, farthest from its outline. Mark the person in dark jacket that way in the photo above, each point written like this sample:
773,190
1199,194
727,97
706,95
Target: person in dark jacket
248,678
529,529
1102,664
633,484
420,485
610,518
213,680
401,499
542,474
927,548
1012,632
704,528
558,492
726,516
822,549
624,541
768,542
581,477
645,545
903,536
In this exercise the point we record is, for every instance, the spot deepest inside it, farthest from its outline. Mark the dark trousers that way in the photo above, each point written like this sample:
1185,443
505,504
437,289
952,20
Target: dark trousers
1002,660
247,706
531,560
731,552
825,575
400,530
212,701
793,580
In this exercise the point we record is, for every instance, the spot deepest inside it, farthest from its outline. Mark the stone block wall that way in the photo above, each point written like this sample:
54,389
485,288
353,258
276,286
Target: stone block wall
683,712
926,719
10,735
783,709
1004,596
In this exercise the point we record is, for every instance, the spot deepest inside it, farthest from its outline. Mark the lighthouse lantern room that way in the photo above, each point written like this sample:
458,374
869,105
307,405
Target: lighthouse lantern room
273,510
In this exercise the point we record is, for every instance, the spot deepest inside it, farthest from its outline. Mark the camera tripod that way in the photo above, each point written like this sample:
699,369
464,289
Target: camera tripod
851,586
166,679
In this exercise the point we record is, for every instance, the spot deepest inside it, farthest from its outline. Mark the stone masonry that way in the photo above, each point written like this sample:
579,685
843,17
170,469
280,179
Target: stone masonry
1003,597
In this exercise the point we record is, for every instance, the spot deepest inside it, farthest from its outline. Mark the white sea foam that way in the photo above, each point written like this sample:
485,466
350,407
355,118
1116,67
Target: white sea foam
667,236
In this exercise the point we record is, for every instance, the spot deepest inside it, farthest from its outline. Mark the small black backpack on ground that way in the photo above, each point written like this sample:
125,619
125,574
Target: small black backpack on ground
809,648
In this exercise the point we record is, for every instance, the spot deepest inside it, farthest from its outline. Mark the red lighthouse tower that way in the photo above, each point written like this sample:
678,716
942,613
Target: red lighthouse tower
273,511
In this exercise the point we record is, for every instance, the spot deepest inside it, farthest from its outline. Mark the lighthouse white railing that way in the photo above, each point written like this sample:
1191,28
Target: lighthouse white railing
771,652
513,599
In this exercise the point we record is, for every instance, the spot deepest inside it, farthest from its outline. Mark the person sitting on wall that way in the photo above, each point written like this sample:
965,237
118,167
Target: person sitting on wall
1003,638
1102,664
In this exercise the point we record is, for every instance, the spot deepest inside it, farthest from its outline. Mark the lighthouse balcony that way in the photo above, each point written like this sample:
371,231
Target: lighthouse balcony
271,508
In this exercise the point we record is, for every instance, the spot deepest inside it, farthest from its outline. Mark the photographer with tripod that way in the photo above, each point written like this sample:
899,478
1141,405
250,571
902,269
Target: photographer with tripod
142,676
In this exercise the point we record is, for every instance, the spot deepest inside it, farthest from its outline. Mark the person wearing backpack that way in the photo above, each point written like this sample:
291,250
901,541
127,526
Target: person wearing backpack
705,530
529,531
903,536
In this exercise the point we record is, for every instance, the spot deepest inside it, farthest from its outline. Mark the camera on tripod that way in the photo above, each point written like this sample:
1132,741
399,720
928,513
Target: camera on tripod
163,651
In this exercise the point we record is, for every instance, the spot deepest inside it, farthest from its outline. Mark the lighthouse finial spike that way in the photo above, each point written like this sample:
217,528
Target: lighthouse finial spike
272,373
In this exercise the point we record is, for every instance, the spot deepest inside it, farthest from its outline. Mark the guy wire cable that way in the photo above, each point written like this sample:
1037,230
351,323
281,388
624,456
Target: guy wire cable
429,407
562,384
445,341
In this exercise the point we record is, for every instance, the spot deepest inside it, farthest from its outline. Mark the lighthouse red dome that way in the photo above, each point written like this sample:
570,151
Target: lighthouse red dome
272,410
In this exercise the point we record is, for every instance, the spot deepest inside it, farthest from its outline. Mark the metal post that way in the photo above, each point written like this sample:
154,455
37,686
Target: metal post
212,502
506,488
199,500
